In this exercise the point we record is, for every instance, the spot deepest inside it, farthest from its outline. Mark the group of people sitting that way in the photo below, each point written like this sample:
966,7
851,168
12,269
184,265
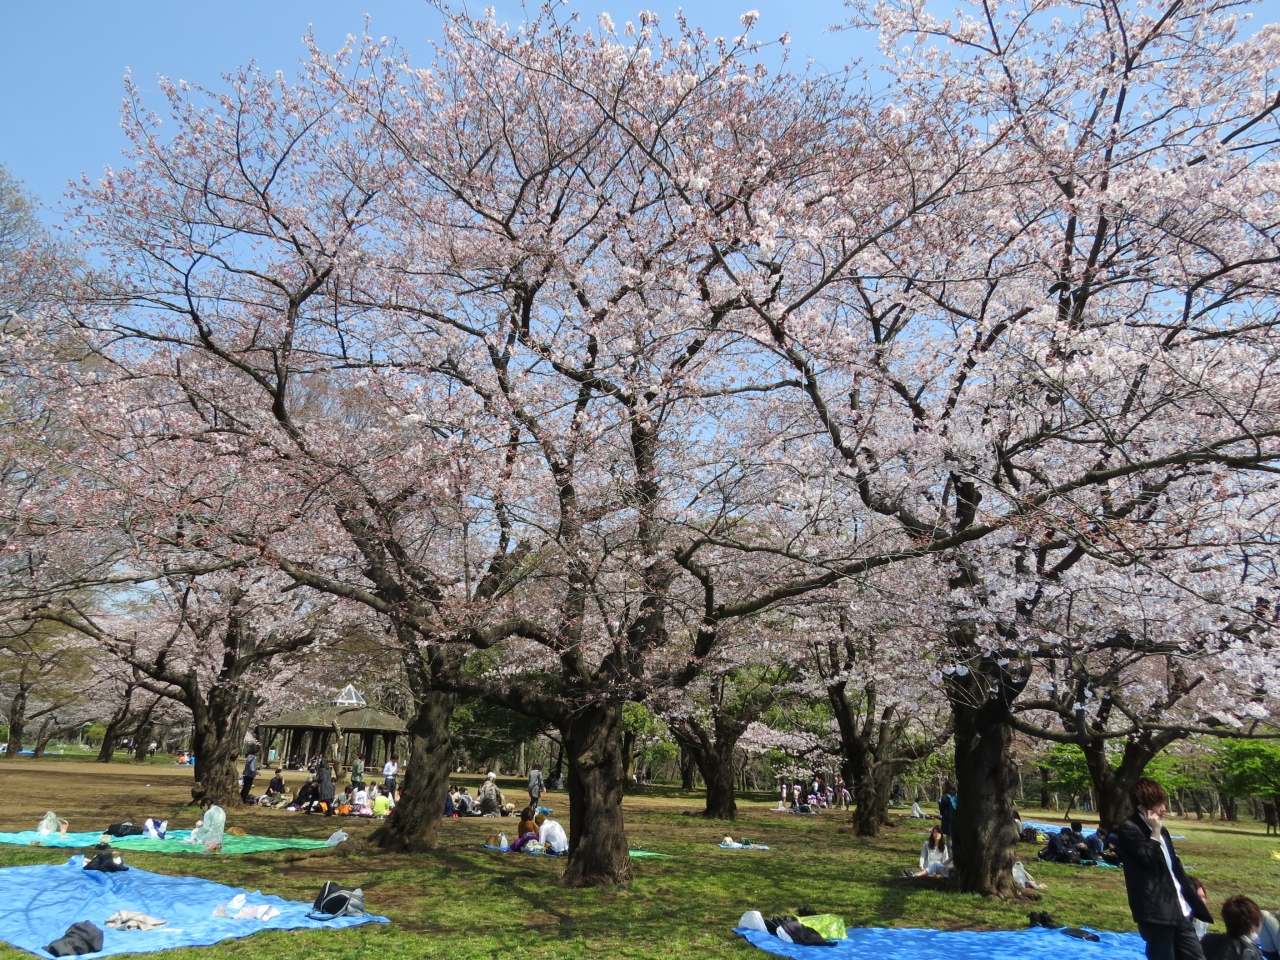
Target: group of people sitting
490,802
537,829
818,795
1070,845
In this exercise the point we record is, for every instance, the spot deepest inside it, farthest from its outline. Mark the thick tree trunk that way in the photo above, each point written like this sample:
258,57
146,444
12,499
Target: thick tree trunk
17,725
597,835
108,748
984,837
628,756
688,766
414,825
1111,784
714,759
870,756
218,728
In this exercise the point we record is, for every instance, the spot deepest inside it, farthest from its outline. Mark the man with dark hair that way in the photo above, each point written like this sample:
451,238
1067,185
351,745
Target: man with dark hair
1163,900
1243,920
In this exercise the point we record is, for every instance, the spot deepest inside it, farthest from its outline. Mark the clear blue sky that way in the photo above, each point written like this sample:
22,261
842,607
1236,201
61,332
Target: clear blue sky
62,61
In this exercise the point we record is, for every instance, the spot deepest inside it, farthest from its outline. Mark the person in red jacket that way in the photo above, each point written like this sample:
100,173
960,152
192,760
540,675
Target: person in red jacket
1161,896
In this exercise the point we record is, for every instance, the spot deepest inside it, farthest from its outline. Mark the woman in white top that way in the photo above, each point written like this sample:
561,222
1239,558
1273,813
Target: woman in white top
935,858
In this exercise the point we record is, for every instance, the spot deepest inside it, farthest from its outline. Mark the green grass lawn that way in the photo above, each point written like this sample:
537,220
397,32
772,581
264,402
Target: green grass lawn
464,902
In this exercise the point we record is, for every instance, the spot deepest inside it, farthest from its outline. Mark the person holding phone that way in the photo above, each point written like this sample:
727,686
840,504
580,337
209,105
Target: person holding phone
1162,898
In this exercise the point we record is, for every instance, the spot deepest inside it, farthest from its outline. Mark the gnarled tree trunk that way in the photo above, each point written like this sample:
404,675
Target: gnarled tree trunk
219,724
414,825
597,835
1111,784
714,758
984,836
980,693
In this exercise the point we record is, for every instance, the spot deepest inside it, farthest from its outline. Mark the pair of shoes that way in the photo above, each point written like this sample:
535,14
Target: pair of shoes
1042,919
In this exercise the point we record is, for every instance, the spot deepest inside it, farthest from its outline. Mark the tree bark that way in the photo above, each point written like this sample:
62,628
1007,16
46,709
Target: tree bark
597,835
984,836
17,724
871,753
1111,784
219,724
414,825
687,768
714,759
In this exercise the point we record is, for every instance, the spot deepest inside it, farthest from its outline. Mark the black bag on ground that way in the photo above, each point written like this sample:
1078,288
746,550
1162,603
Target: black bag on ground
334,900
797,931
106,861
82,937
123,830
1029,835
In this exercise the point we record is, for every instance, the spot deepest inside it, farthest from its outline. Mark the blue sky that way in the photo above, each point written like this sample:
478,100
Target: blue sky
62,61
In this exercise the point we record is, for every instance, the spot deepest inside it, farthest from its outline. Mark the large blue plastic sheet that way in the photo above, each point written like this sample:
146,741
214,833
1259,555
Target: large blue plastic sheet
883,943
39,903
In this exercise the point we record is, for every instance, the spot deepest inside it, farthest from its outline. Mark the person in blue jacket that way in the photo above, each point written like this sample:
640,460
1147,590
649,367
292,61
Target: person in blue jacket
947,807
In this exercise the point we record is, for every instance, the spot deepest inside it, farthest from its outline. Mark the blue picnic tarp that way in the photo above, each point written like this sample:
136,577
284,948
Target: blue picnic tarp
41,902
884,943
70,841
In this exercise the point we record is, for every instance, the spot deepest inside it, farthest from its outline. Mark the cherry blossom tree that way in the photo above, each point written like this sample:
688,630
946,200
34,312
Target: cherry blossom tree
1031,309
216,644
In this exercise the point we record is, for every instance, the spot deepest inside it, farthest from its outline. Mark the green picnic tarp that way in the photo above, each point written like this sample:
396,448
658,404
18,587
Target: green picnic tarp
230,844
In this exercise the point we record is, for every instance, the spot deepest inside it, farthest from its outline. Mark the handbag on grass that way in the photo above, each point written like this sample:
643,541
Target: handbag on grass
335,900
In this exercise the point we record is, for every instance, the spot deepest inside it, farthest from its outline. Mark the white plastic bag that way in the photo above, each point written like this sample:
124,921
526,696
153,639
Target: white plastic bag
336,838
48,824
753,920
502,841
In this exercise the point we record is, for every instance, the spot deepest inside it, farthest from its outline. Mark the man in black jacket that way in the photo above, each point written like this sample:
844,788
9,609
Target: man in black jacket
1161,897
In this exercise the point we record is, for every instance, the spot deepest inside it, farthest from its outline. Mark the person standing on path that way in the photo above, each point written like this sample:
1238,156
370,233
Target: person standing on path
389,771
1162,898
948,803
248,776
357,771
536,786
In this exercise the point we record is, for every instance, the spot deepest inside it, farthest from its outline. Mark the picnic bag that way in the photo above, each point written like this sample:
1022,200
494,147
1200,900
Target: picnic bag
334,900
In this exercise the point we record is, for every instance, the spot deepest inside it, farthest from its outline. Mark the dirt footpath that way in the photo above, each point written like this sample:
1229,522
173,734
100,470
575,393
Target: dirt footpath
90,795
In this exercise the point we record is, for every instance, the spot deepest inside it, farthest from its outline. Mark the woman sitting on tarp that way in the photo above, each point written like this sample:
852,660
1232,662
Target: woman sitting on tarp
527,830
209,828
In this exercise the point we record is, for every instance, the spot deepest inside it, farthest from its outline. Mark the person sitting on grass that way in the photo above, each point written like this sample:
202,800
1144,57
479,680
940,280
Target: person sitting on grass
1269,936
308,796
1061,848
551,834
935,858
448,804
527,830
1243,921
491,799
381,803
465,804
1078,842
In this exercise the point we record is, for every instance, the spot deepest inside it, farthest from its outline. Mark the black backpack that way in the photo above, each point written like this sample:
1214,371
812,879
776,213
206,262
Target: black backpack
797,931
337,901
107,862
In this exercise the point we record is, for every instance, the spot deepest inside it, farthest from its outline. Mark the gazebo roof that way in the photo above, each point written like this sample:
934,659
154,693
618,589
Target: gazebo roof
348,711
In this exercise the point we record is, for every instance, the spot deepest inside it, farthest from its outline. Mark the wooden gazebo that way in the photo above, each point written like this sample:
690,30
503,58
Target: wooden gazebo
346,723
